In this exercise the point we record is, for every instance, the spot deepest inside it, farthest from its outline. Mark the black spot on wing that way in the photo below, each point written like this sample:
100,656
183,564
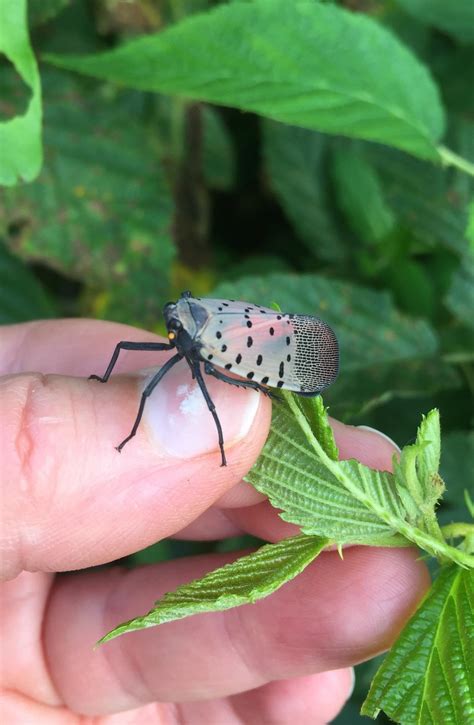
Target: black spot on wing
249,341
238,359
281,369
223,348
250,375
218,334
271,330
228,366
249,323
259,359
265,380
280,384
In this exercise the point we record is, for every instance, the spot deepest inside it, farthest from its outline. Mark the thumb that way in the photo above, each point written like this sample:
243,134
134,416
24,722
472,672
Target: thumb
71,500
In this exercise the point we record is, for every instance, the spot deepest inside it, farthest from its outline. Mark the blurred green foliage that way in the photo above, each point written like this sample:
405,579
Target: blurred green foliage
143,194
236,148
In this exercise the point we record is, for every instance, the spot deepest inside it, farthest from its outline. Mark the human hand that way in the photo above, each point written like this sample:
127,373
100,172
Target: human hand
70,501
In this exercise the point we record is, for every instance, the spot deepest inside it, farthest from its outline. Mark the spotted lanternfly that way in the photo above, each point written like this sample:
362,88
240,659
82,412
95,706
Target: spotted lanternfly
263,347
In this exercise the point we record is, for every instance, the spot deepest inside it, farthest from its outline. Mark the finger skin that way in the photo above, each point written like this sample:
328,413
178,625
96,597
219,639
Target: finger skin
311,700
71,501
336,613
77,347
73,514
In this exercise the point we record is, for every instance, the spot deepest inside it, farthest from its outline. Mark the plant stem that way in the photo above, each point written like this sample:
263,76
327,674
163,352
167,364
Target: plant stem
457,529
449,158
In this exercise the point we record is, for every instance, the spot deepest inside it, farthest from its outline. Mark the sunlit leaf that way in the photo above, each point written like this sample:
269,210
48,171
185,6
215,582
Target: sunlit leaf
20,136
304,63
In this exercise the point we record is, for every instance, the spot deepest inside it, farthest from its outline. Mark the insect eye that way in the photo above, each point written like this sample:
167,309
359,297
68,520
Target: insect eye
174,327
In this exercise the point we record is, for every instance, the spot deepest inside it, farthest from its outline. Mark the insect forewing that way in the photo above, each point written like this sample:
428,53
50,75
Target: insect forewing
296,352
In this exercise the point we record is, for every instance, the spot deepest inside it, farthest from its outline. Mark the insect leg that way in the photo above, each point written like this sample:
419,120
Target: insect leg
212,408
211,370
146,393
124,345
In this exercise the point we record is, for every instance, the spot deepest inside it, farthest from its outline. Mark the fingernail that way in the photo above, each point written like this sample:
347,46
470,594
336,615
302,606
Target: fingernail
180,422
382,435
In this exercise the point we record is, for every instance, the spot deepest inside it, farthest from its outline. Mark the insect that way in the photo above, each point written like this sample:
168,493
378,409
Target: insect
263,347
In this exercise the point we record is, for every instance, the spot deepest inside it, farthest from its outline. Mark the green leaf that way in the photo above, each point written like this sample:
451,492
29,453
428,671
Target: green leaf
101,211
40,11
426,200
295,480
417,480
460,298
304,63
316,415
360,195
20,137
296,161
356,393
428,676
218,153
456,468
345,500
244,581
456,18
369,329
22,298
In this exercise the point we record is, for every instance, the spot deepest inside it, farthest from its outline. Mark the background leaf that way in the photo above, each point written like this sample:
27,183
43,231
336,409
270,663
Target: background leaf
460,298
356,181
40,11
218,153
456,17
426,200
428,675
296,163
314,65
102,209
20,137
456,467
22,297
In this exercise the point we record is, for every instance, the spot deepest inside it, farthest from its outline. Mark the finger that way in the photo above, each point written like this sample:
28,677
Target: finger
71,347
70,500
336,613
312,700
